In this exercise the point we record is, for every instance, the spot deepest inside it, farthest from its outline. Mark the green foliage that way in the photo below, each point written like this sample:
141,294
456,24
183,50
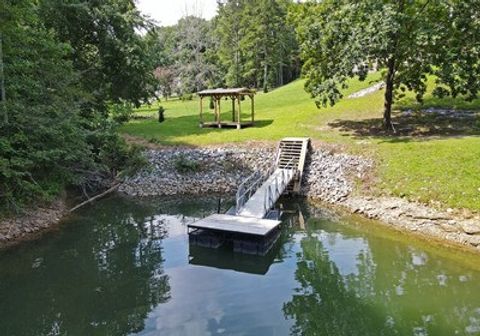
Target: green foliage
185,57
106,49
121,112
186,96
410,39
54,135
161,111
184,165
257,46
43,139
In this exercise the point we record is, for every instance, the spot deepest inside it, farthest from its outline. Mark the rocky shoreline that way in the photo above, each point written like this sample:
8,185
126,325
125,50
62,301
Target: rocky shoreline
32,223
330,177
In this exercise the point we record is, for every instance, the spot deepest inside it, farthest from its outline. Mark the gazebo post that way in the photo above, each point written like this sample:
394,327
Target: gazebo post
253,109
219,99
201,111
239,114
215,109
236,95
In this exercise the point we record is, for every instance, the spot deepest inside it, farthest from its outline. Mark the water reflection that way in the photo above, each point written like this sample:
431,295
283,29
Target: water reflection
101,276
125,267
225,258
350,283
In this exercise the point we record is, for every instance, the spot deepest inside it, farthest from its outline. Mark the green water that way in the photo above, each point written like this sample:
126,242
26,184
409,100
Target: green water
125,267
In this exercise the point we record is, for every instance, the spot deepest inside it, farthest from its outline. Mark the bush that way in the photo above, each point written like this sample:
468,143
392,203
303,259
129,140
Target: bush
185,165
115,157
122,112
161,117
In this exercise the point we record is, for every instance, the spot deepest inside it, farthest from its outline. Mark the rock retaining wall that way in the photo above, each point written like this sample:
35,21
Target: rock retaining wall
217,170
328,177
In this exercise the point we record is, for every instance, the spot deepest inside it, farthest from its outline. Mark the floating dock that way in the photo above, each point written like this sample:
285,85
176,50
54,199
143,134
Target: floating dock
253,215
239,224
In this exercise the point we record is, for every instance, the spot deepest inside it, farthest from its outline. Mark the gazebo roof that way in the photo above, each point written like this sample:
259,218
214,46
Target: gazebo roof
226,92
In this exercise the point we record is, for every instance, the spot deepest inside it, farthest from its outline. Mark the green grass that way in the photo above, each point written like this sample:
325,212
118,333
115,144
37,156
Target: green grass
435,160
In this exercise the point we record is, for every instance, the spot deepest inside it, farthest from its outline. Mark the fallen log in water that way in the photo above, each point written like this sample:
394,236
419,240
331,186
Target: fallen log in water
94,198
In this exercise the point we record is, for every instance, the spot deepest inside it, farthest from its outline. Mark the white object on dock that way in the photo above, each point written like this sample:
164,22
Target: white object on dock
238,224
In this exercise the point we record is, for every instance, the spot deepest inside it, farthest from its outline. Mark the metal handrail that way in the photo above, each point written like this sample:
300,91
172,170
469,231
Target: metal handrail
255,180
271,196
244,193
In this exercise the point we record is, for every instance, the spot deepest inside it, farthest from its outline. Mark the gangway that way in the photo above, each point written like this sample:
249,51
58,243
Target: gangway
253,213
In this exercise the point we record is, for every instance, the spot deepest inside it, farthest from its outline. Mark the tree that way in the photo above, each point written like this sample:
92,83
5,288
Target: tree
256,43
55,134
43,140
345,39
107,49
165,77
193,40
458,62
265,32
229,32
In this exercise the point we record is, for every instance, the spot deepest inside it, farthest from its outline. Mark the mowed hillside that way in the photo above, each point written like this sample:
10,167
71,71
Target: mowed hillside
435,157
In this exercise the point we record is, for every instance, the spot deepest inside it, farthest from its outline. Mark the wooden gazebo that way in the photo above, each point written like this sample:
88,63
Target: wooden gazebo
236,95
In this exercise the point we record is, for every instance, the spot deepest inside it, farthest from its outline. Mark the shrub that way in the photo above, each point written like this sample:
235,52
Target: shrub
122,112
185,165
161,117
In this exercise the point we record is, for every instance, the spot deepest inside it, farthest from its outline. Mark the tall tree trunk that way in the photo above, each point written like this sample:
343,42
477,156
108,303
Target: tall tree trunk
265,78
265,69
387,112
2,84
391,65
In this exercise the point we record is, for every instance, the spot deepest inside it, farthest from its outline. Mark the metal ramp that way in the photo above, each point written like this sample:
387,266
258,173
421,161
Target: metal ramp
293,151
256,196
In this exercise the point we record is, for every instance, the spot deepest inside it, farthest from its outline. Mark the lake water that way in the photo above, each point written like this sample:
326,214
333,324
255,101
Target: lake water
124,266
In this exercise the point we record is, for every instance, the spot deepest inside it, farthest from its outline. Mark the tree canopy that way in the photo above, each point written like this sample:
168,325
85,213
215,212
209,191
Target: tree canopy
249,43
406,39
61,66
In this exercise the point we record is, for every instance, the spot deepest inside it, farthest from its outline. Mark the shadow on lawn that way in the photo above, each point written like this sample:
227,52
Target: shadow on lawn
418,124
169,131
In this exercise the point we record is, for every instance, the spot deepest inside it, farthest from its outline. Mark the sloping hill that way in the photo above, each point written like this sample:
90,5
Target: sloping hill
436,158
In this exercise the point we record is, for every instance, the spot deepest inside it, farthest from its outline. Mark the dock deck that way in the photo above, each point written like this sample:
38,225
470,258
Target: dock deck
255,200
238,224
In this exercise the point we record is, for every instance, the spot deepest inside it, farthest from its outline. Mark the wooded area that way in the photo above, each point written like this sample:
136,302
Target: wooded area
70,72
63,69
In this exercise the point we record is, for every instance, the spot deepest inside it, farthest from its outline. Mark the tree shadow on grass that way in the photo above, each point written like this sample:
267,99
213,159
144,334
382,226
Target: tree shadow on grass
410,125
169,131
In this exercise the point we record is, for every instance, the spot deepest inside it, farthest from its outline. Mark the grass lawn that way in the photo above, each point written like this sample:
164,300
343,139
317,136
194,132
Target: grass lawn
432,159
